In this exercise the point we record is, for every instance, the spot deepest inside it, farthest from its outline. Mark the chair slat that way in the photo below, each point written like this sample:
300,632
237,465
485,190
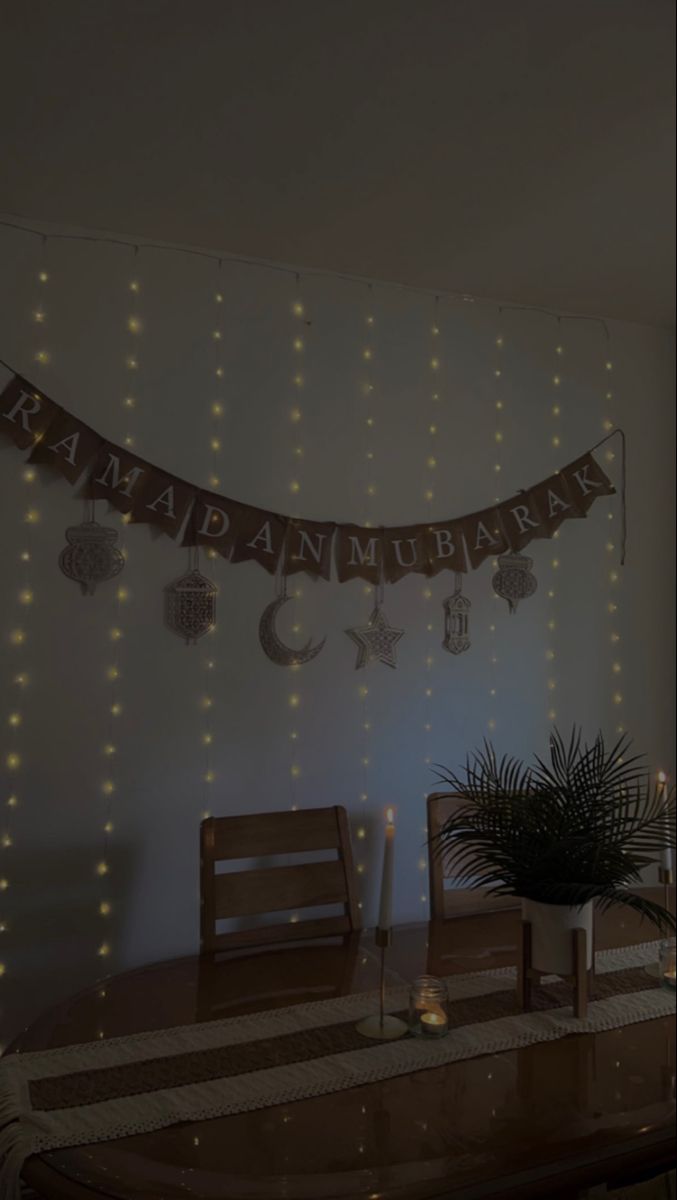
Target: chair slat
321,927
275,889
454,902
260,834
247,893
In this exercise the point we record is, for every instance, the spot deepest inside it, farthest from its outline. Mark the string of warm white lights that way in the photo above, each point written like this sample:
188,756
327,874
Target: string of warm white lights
367,390
19,634
113,673
555,442
613,581
431,416
217,411
299,332
497,468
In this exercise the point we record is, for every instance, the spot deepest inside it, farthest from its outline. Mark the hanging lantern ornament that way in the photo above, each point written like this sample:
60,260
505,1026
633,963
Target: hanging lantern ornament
376,641
513,581
456,610
190,605
91,555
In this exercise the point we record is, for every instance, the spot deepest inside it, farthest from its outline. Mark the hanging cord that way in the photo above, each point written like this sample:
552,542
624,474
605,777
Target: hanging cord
280,573
380,589
319,273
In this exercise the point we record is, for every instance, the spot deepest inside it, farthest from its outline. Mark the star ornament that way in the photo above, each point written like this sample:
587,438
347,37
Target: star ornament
376,641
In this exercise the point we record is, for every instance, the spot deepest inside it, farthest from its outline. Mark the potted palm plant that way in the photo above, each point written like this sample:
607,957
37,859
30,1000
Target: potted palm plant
562,835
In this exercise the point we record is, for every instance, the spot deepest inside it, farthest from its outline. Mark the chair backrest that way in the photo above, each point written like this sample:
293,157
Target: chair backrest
275,889
454,901
255,979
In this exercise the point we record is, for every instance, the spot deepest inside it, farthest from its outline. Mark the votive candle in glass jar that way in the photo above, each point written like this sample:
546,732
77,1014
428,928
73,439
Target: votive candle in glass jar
428,1007
667,963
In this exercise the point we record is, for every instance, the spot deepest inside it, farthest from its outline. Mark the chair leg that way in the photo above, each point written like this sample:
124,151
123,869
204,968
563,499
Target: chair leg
524,968
580,953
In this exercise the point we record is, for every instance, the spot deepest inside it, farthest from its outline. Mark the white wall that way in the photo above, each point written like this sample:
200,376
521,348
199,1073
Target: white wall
50,906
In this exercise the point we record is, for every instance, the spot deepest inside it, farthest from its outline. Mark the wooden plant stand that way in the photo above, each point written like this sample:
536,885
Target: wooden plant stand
581,979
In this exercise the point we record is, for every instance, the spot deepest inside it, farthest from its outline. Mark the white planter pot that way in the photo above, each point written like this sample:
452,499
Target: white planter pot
551,935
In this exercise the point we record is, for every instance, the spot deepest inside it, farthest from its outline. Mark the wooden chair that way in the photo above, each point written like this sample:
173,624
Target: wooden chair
257,979
273,889
454,901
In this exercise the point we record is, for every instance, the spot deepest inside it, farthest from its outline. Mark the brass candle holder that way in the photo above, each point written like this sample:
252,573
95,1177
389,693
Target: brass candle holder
383,1026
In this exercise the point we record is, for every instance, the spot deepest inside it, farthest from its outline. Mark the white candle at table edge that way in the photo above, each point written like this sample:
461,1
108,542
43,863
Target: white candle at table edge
666,854
385,914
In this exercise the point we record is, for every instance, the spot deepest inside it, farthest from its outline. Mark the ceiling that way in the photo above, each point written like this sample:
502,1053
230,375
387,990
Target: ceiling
512,149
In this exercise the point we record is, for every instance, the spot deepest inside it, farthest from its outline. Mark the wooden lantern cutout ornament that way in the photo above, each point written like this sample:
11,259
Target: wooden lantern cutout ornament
190,605
456,612
91,556
513,580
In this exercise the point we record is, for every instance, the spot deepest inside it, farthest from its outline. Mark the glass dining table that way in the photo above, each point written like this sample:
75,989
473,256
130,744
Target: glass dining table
545,1120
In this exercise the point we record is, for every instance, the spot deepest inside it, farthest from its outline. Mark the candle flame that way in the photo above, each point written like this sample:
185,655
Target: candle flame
390,816
662,777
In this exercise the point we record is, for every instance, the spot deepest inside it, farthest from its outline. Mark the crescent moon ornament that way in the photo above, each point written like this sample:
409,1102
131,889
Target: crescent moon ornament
276,650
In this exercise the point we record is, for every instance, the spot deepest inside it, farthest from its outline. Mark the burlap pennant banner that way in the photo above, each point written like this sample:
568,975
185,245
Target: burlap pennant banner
69,446
212,522
586,481
259,536
484,536
405,552
117,476
359,553
162,500
308,548
555,503
241,532
444,547
25,412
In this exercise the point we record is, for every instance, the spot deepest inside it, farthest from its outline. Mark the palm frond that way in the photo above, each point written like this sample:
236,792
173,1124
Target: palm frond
581,824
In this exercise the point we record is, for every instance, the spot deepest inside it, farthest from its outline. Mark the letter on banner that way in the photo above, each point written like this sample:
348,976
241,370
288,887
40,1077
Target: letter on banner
308,548
25,413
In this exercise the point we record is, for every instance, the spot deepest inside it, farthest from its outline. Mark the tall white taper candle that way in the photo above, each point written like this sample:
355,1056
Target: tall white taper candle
385,915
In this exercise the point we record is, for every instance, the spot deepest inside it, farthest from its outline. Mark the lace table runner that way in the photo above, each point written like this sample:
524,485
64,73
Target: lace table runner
77,1095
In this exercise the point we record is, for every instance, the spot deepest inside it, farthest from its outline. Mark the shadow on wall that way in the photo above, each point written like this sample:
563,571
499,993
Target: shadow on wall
55,933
